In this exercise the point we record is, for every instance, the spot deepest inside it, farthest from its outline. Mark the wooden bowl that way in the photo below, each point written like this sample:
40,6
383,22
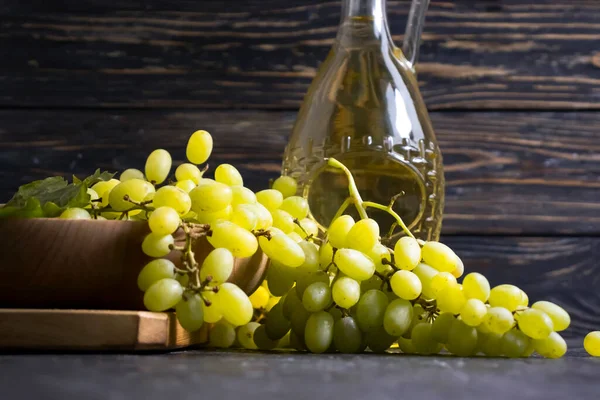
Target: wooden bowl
87,264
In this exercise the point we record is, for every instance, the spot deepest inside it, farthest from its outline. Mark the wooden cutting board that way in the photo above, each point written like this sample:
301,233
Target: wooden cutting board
94,330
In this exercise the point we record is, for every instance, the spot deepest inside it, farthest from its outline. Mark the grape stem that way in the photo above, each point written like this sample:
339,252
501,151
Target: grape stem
393,213
354,194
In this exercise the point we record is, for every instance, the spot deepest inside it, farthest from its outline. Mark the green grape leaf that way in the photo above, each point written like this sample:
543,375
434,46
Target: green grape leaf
98,176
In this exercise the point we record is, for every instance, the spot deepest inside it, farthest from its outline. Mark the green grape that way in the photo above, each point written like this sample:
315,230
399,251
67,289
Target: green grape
234,304
347,337
426,274
354,264
228,235
407,253
131,173
262,341
311,255
379,253
245,335
460,268
156,246
281,278
406,285
93,196
451,299
473,312
298,320
336,313
296,206
188,172
214,217
277,324
186,185
218,265
490,344
284,342
212,312
135,189
154,271
305,277
291,303
75,213
265,219
423,340
591,343
103,189
378,340
244,216
373,282
184,279
307,227
260,297
229,175
318,334
325,255
441,327
297,342
283,220
242,195
222,335
507,296
271,199
158,166
514,344
535,323
316,297
199,147
163,295
554,346
498,320
476,286
417,318
164,221
338,231
462,339
286,185
398,317
283,249
441,281
211,198
190,313
406,346
560,318
439,256
371,310
363,236
174,197
295,237
346,292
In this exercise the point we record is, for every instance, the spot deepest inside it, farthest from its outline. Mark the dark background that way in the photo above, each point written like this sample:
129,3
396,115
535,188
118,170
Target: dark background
513,87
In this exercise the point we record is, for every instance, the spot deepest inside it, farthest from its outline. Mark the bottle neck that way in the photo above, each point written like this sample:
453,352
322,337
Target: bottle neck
364,18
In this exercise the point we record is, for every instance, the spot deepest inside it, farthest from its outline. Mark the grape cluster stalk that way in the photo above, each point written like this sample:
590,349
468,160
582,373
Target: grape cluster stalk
346,289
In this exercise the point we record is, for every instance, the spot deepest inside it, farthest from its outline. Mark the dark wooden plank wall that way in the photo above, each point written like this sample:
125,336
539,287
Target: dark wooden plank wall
513,87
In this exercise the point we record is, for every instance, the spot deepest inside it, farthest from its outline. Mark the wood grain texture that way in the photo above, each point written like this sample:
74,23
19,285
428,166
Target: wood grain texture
476,55
507,172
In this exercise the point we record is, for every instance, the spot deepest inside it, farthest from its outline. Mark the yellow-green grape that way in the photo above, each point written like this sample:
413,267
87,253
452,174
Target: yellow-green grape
347,337
316,297
163,295
265,219
476,286
190,313
338,231
451,299
370,310
441,281
75,213
189,172
283,249
473,312
295,205
398,317
164,221
206,181
283,220
460,268
554,346
363,235
535,323
441,326
422,340
406,346
426,274
229,175
212,217
245,335
507,296
311,255
560,318
318,333
295,237
514,343
439,256
212,309
154,271
379,253
186,185
131,173
462,339
406,285
407,253
346,292
93,197
242,195
354,264
222,335
260,297
235,304
135,189
103,189
199,147
307,228
218,264
211,198
591,343
155,245
273,301
271,199
498,320
244,215
158,166
286,185
490,343
228,235
174,197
